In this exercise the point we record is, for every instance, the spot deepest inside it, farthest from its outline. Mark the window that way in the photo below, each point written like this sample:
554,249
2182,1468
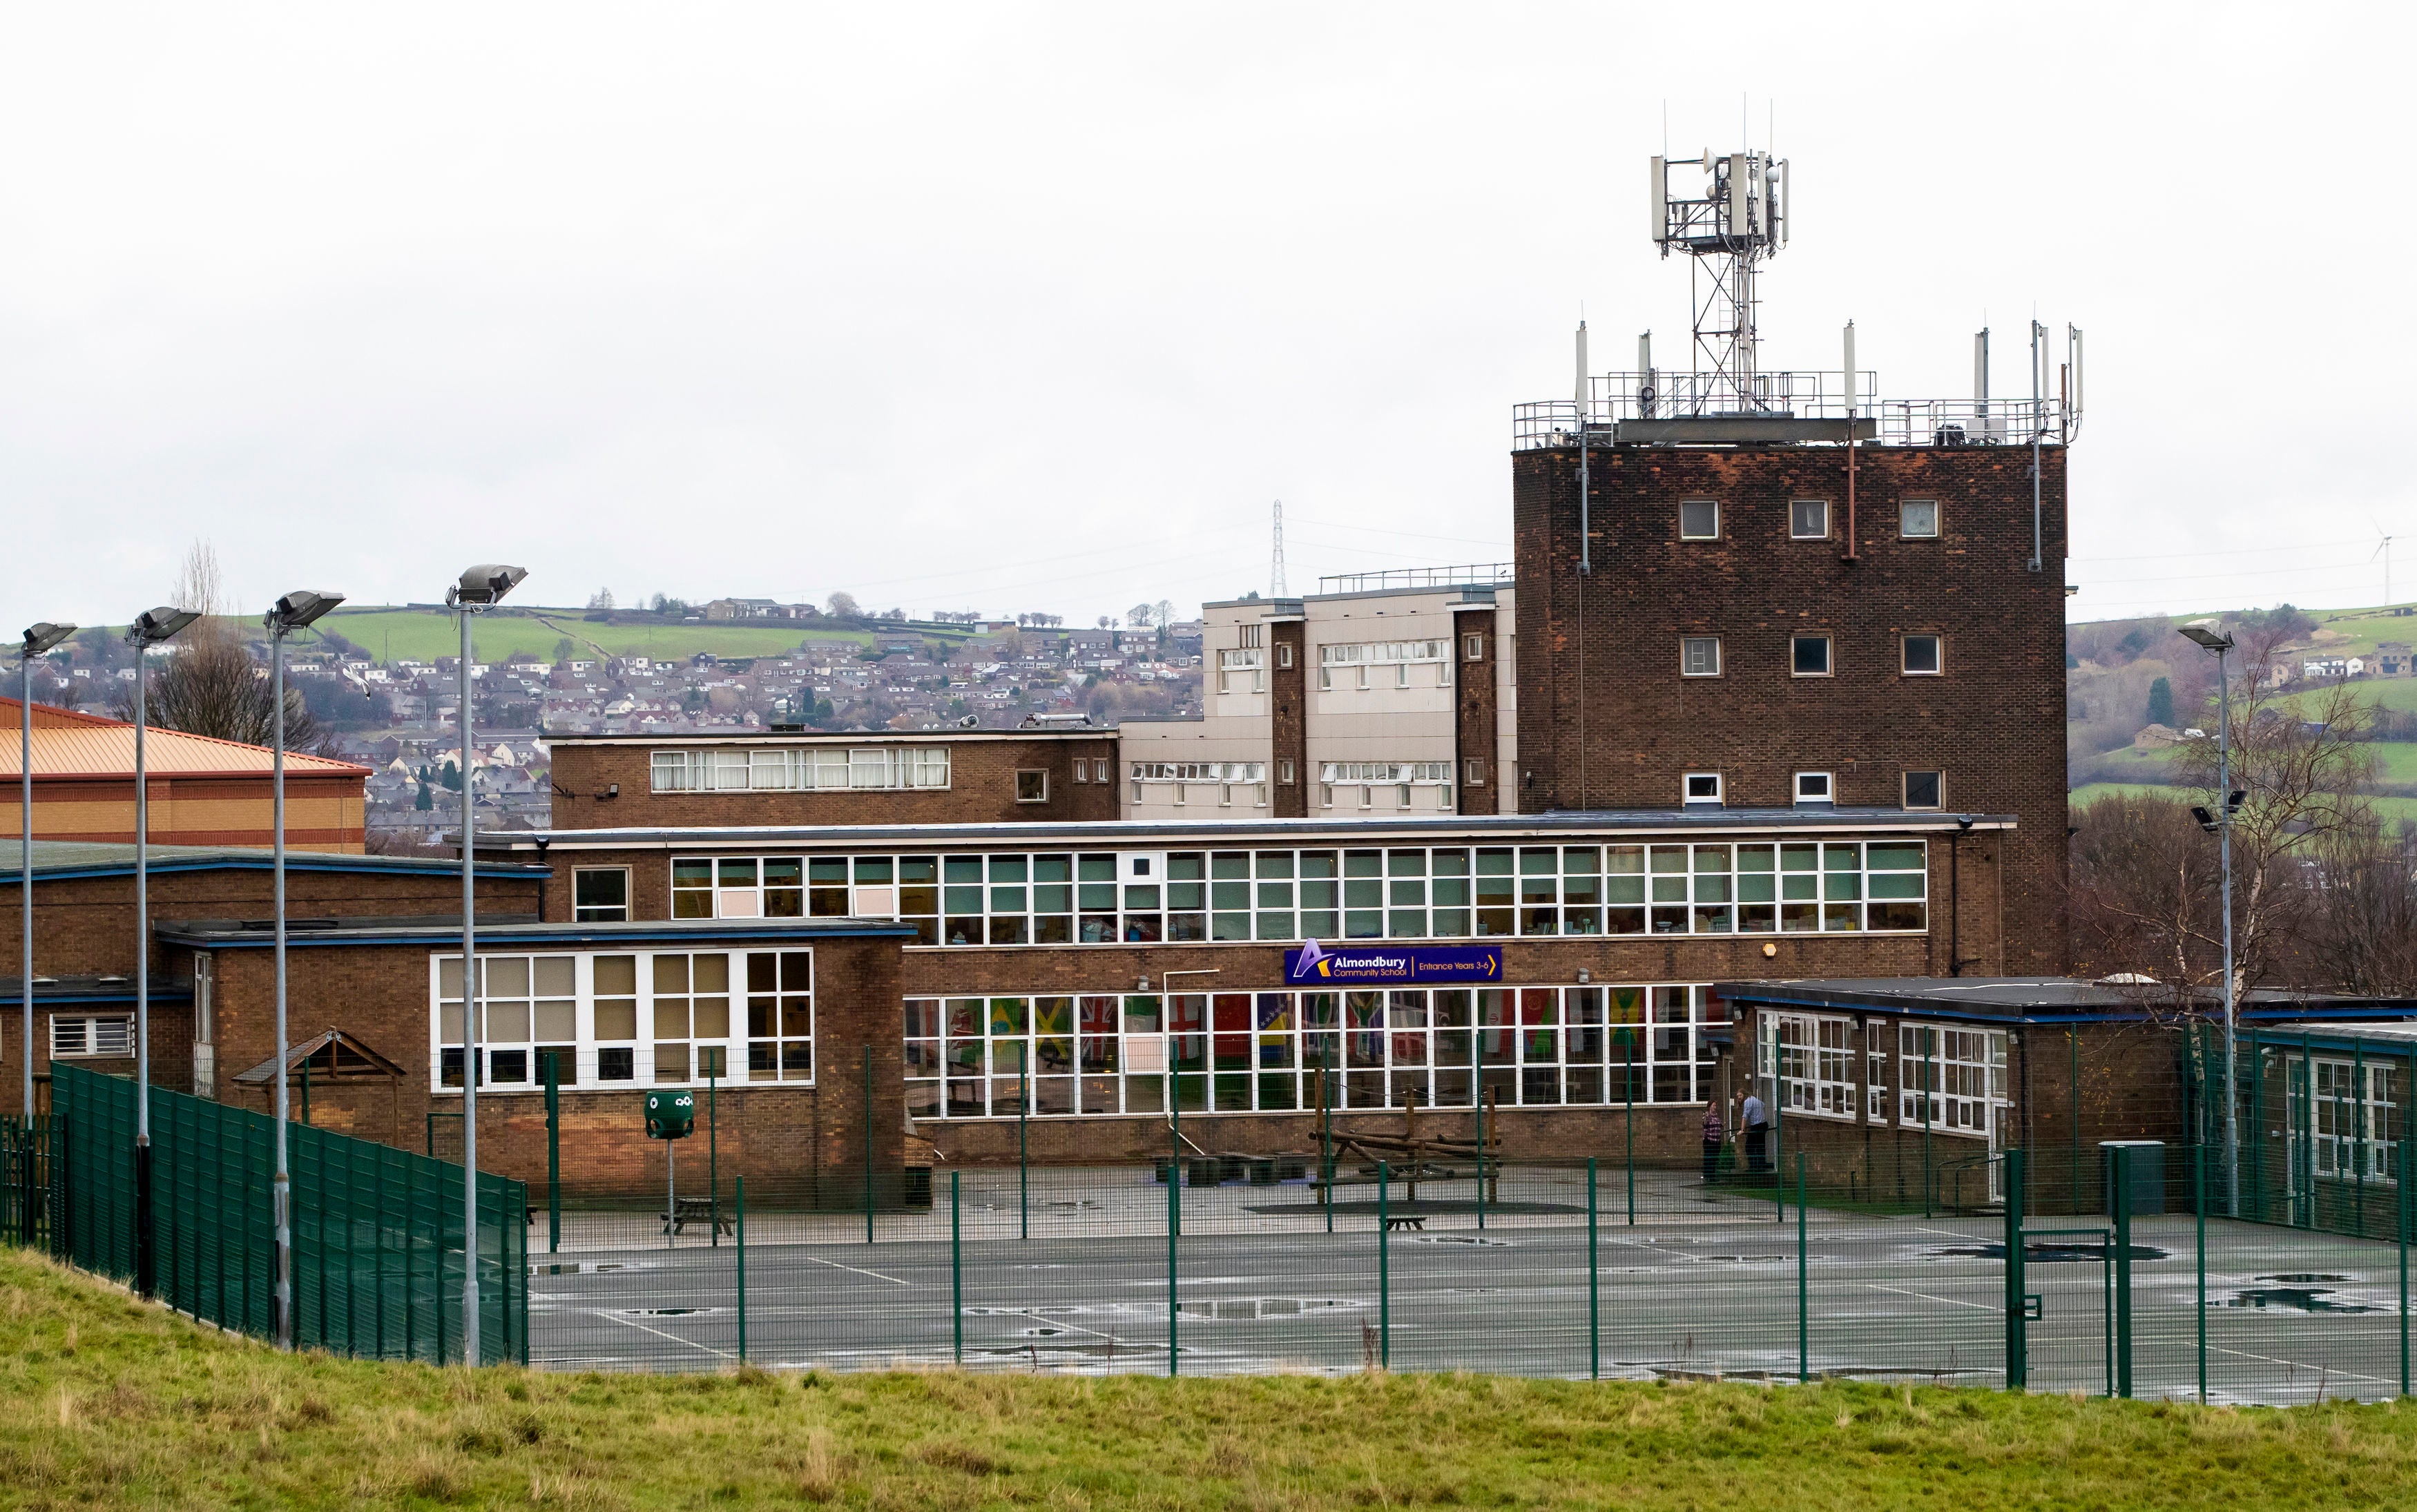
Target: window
1473,771
1081,771
529,1008
1923,656
1925,790
1284,653
1810,1060
1031,786
1699,656
1951,1080
1399,654
1918,519
1243,671
1701,787
112,1035
2348,1131
800,768
1809,655
1808,519
1472,648
1813,787
1326,795
1101,771
1699,520
1253,636
781,1016
692,1014
599,895
1285,771
1423,773
1109,1055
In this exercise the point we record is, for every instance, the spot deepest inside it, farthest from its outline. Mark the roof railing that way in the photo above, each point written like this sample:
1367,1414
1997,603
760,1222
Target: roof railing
1477,573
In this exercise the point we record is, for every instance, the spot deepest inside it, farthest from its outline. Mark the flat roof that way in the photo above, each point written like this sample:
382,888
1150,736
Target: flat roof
2049,999
521,933
55,860
75,991
1133,834
835,737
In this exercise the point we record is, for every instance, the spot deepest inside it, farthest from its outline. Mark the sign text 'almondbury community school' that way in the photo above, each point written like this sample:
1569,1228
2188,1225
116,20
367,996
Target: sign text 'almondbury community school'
1385,966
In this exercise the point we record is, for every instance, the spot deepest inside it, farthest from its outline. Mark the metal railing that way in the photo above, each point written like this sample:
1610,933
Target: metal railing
1441,577
1617,397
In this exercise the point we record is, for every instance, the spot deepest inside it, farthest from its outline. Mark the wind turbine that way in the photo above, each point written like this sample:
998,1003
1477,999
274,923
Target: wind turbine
2383,549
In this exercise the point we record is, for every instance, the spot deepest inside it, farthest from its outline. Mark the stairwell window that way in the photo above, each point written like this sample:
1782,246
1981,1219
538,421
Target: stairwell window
1473,771
1699,656
1699,520
1472,648
1809,655
1808,519
1925,789
1924,656
1918,519
1284,653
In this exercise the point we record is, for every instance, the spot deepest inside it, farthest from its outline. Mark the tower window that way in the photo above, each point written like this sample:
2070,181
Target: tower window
1699,520
1808,519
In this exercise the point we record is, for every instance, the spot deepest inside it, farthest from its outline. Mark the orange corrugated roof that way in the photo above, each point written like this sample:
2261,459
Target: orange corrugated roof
107,750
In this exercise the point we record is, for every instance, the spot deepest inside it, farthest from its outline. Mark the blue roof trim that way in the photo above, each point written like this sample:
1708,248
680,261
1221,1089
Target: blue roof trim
1900,1008
45,996
512,936
350,864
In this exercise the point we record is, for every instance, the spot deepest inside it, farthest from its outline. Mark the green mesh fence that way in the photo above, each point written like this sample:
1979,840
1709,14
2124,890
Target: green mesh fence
378,1251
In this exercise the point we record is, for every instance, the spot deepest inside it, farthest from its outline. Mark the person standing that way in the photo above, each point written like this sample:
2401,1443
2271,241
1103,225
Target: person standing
1756,1125
1715,1135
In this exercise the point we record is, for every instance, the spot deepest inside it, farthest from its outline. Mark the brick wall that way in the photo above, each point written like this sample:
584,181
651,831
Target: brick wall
1607,721
1474,711
1288,718
980,791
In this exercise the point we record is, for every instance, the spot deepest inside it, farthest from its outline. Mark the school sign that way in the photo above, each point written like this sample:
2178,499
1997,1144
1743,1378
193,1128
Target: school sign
1391,965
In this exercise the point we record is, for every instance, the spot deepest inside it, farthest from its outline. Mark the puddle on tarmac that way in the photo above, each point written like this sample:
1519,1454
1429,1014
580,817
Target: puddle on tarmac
1452,1239
2294,1299
2309,1278
662,1312
2044,1253
591,1267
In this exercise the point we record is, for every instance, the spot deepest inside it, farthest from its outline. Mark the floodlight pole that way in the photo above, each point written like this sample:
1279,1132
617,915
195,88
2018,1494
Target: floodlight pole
143,1260
469,1016
2232,1008
282,1184
25,860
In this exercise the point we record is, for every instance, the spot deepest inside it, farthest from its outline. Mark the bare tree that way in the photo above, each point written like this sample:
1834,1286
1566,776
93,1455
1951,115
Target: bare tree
842,606
210,684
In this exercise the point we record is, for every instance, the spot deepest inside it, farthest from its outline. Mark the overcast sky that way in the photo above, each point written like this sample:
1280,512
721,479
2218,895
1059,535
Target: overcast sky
1038,308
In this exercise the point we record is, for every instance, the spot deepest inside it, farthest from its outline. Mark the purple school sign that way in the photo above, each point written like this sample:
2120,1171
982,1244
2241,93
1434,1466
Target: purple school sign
1391,965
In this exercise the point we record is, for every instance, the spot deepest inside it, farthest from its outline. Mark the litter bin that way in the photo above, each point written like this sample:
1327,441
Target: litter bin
2148,1167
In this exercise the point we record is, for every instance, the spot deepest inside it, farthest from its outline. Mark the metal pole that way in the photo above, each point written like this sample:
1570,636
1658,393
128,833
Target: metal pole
25,866
712,1153
2198,1211
2122,1206
1804,1285
1174,1233
281,1182
1628,1080
671,1193
471,1002
956,1267
1384,1269
741,1237
1022,1145
1594,1286
1326,1128
868,1144
2401,1150
553,1153
143,1264
2018,1323
2231,1014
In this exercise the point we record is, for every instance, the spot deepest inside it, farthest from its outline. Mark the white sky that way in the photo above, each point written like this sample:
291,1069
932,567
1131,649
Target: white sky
1038,308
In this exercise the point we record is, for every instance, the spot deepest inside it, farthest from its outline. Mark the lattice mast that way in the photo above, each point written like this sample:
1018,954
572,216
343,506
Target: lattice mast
1738,220
1276,568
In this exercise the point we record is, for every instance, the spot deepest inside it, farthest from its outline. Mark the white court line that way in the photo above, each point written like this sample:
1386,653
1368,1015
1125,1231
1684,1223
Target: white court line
859,1269
2302,1364
1925,1296
676,1339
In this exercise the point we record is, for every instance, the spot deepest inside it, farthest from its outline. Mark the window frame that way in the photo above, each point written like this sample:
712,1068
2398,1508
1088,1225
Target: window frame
1796,534
1829,653
1828,782
1040,777
1687,798
1472,647
595,913
1937,522
1284,653
1689,644
88,1027
1473,772
1937,667
1713,534
1938,795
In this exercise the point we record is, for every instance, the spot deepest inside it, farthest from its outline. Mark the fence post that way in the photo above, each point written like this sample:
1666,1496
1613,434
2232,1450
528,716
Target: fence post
2400,1149
1023,1146
2018,1344
956,1268
2120,1207
553,1153
1384,1269
1326,1128
1483,1098
2199,1222
741,1237
1594,1277
713,1152
868,1144
1804,1285
1628,1082
1174,1233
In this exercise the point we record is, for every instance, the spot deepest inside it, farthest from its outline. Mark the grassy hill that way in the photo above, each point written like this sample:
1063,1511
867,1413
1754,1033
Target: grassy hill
122,1404
424,634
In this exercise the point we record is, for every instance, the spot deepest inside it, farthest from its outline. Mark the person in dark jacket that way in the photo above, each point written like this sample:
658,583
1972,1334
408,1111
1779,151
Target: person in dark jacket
1715,1135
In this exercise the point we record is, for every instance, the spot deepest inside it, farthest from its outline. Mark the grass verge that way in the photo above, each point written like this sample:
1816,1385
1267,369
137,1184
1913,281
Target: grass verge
118,1403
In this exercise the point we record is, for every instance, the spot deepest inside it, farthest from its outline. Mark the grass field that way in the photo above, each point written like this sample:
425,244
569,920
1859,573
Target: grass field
425,635
118,1403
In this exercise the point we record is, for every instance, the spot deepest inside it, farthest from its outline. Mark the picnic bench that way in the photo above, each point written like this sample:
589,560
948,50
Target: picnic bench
688,1210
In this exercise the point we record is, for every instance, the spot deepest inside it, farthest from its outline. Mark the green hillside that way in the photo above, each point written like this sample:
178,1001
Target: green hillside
424,634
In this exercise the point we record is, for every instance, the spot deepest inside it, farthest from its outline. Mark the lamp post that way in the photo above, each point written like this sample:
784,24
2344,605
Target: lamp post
481,587
288,615
150,627
38,639
2206,633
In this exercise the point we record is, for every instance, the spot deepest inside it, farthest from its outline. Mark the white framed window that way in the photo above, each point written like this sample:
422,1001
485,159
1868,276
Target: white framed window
1808,519
1285,771
1699,656
781,1016
1101,771
1326,795
799,769
529,1007
1243,668
2347,1132
1472,648
1808,656
1925,790
1918,519
1224,795
599,895
1925,656
1253,637
1032,785
1815,787
1182,794
1284,653
1952,1080
92,1035
1367,797
1443,673
1136,789
1473,771
1809,1059
1699,520
1405,774
1083,772
1700,787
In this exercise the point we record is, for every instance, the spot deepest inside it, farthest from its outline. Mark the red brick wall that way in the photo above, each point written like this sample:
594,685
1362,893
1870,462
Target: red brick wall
1607,720
1288,718
1475,702
980,791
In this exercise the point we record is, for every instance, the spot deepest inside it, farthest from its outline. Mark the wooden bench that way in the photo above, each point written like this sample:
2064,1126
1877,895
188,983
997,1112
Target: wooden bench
1414,1221
688,1210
